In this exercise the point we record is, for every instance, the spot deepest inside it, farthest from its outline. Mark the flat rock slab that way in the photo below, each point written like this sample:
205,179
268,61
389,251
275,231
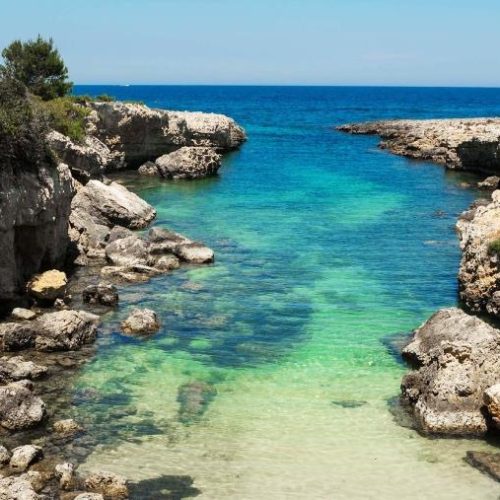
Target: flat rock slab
489,463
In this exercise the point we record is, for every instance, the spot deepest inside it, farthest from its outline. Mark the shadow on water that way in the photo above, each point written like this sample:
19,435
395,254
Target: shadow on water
164,488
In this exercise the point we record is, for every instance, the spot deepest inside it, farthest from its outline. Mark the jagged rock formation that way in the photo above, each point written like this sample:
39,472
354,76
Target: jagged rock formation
135,133
34,212
479,275
457,358
467,144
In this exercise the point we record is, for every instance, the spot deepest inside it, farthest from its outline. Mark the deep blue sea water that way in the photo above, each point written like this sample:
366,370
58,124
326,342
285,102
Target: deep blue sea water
325,247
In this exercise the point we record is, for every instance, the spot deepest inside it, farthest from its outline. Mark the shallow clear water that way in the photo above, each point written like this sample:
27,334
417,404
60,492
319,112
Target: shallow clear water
326,247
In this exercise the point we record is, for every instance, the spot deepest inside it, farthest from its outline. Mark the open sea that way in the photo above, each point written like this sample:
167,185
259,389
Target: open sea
276,371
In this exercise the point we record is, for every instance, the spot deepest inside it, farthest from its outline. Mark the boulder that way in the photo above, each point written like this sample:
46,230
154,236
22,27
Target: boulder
24,456
17,488
128,252
148,169
67,427
189,163
457,357
132,274
16,336
48,286
65,330
490,183
194,253
489,463
492,401
111,486
141,321
167,263
19,407
194,398
118,232
66,474
102,293
16,368
20,313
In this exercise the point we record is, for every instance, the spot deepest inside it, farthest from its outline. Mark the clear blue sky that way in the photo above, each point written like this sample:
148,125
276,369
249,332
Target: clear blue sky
338,42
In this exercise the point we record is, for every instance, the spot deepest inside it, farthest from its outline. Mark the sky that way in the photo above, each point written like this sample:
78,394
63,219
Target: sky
267,42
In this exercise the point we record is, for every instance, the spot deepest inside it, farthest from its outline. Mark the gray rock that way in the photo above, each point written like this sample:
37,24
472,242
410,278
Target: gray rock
110,485
34,210
16,336
4,456
119,232
128,252
148,169
16,368
189,163
492,401
141,321
24,456
67,427
167,263
19,408
489,463
457,358
89,496
194,253
194,398
17,488
20,313
65,330
66,473
490,183
102,293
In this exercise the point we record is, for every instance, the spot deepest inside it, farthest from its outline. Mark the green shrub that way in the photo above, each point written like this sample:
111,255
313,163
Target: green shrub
494,247
65,116
38,65
105,98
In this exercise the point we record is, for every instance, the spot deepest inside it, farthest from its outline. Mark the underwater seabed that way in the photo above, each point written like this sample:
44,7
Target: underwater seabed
271,376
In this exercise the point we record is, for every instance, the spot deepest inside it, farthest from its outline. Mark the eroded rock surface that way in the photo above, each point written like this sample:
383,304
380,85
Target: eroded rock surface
19,408
110,485
467,144
457,357
141,321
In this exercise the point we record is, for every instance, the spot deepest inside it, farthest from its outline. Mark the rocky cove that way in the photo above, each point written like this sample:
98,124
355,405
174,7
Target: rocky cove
64,215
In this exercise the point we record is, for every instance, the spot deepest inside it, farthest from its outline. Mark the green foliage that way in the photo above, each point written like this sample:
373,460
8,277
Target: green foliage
494,247
65,115
105,98
38,65
22,131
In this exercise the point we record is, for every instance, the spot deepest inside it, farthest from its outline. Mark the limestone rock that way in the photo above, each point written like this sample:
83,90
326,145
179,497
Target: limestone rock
492,401
139,134
24,456
34,212
4,456
457,357
102,293
16,336
67,427
19,408
189,163
479,275
195,253
167,263
48,286
128,251
17,488
20,313
467,144
490,183
141,321
66,474
148,169
65,330
489,463
110,485
16,368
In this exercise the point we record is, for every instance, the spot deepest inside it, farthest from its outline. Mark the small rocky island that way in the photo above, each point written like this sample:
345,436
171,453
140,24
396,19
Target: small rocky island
454,388
59,213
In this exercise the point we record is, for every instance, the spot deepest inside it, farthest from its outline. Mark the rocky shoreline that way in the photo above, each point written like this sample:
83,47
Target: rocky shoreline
63,216
454,387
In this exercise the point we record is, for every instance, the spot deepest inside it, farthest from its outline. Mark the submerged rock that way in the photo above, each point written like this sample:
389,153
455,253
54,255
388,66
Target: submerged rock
457,357
489,463
67,427
349,403
102,293
111,486
66,474
19,408
16,368
194,398
188,163
24,456
141,321
48,286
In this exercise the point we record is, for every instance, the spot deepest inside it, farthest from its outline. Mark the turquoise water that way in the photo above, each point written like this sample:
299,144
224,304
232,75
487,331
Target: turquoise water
272,375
